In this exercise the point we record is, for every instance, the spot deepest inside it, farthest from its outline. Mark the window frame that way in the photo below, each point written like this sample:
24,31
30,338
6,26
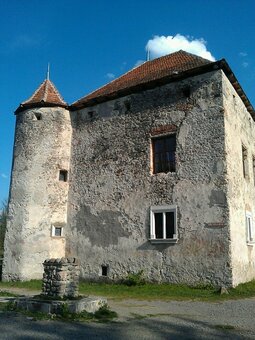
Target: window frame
163,209
250,233
53,231
153,141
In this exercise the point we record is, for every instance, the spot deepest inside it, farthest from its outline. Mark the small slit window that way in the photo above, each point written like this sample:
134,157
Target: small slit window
253,166
186,91
91,114
249,228
57,231
38,116
127,105
104,270
245,162
63,175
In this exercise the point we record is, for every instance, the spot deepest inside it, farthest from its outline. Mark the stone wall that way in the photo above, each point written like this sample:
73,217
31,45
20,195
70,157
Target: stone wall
240,132
61,277
38,200
112,186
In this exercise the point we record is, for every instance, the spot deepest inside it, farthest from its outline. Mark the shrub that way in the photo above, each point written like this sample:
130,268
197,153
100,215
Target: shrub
135,279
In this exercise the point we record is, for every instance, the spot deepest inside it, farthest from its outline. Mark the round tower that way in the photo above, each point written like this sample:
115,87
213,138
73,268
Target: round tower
39,185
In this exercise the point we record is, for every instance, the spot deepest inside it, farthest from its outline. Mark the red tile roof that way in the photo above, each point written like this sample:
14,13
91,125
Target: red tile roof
45,95
150,71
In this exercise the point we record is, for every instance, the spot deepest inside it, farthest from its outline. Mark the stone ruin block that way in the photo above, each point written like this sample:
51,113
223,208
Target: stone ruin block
61,277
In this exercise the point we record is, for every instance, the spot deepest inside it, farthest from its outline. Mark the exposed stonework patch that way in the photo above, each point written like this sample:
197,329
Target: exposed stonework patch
103,229
218,197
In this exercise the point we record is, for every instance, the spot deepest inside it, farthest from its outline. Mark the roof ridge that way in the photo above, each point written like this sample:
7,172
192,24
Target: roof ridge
56,91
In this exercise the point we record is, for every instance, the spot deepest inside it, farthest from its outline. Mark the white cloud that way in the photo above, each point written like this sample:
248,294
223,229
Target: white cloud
162,45
245,64
243,54
139,62
110,75
24,41
4,176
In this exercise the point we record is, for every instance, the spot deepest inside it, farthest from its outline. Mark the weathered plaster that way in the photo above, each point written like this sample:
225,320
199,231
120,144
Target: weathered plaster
113,188
239,130
37,198
105,205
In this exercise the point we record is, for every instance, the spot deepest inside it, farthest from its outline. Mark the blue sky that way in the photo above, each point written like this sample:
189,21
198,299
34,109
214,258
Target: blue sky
88,43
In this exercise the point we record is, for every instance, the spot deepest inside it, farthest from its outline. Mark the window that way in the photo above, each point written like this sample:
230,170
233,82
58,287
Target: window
63,175
253,165
249,228
163,224
91,114
57,231
104,270
163,150
38,116
245,161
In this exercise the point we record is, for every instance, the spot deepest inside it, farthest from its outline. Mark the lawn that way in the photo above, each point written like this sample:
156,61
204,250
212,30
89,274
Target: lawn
148,291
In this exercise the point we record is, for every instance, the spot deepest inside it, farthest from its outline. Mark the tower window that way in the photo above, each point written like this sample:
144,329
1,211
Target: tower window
253,165
186,91
63,175
91,114
38,116
57,231
250,228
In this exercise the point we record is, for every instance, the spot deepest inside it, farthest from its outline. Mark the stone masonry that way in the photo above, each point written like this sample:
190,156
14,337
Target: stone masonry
61,277
84,183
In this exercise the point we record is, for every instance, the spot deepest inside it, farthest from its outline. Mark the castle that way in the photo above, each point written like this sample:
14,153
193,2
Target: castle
154,171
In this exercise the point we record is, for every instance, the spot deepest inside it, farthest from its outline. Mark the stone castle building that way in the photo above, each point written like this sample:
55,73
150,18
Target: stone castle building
154,171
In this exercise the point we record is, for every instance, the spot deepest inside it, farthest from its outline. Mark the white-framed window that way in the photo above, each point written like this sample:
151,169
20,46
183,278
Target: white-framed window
57,231
249,228
163,224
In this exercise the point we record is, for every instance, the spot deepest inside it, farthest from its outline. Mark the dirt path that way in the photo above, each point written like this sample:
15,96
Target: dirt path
233,319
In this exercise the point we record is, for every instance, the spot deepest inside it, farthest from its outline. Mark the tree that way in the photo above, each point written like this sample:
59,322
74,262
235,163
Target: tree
3,219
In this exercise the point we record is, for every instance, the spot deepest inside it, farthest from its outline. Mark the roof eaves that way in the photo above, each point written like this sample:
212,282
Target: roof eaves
232,78
144,86
24,107
220,64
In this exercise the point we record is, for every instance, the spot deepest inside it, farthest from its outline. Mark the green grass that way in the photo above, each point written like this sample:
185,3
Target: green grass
31,285
225,327
104,314
166,291
4,293
149,291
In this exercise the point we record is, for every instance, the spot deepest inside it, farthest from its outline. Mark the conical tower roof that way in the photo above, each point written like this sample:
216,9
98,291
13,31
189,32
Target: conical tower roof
45,95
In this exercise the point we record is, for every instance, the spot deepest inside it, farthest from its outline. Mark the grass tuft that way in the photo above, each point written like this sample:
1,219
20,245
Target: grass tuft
225,327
